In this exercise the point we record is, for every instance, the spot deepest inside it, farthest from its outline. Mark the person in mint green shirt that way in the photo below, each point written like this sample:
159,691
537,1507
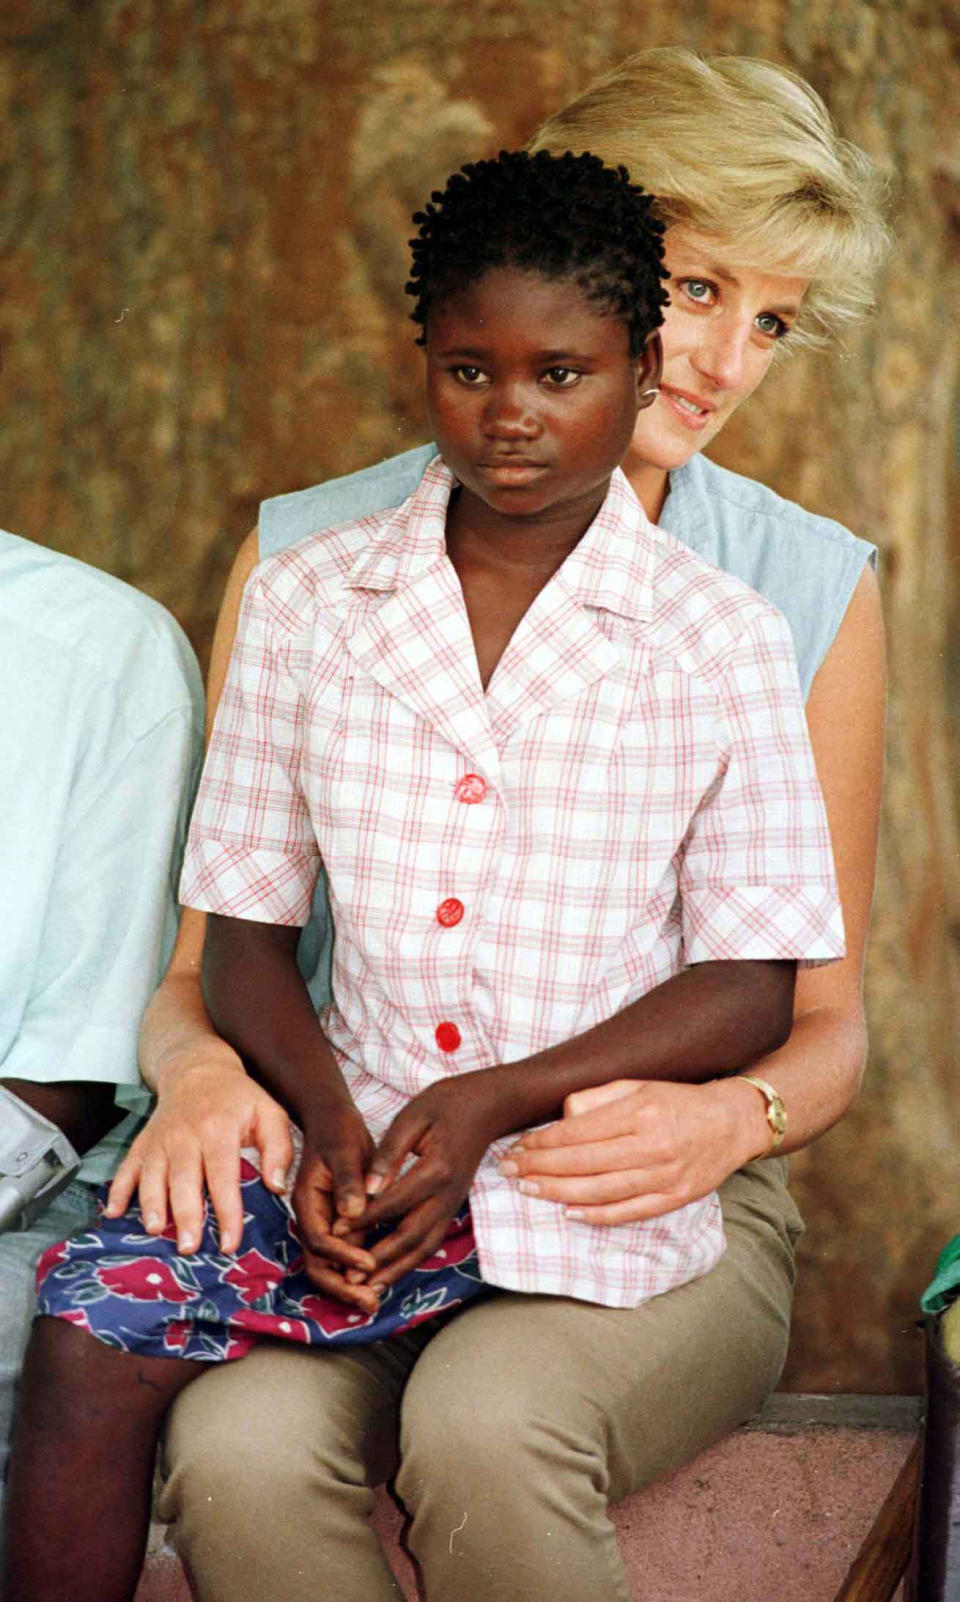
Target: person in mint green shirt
101,717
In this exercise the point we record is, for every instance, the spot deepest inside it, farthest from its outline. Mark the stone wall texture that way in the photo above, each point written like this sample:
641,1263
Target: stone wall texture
203,224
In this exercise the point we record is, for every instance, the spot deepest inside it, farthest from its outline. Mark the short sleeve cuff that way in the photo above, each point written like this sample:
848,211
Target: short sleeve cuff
762,923
104,1054
265,886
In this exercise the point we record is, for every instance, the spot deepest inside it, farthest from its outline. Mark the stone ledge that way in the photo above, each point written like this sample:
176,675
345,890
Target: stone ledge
777,1510
786,1412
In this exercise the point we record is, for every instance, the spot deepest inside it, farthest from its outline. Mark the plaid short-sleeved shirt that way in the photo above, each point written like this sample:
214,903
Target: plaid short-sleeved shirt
634,791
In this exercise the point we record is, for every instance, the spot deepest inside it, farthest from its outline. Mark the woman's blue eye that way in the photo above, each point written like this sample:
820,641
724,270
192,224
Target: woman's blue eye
772,325
698,288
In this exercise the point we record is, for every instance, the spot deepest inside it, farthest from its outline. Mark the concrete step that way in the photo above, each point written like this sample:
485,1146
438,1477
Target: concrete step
778,1510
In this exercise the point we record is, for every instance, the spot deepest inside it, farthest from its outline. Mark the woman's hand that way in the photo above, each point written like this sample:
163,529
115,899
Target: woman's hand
628,1151
206,1113
448,1127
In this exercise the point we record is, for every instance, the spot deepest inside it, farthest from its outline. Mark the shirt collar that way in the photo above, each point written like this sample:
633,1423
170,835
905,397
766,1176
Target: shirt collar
611,568
412,540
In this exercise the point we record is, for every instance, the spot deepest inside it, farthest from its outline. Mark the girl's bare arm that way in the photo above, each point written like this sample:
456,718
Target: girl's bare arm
176,1023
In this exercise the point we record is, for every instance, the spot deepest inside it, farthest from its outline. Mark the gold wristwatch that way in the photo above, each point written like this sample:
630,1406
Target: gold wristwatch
776,1111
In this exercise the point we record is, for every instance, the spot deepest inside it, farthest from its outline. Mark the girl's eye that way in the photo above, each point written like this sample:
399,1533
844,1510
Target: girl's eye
772,325
562,377
471,376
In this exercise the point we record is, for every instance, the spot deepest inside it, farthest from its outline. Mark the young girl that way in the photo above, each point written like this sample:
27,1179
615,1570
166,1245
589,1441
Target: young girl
556,767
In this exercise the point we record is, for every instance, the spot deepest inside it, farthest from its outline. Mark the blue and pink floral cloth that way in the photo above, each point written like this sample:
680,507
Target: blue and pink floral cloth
135,1292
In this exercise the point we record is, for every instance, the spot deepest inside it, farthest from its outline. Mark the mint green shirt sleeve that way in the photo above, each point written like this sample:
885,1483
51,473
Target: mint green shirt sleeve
99,946
100,738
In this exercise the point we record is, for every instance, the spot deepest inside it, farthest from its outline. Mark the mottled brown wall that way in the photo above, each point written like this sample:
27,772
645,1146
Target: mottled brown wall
203,224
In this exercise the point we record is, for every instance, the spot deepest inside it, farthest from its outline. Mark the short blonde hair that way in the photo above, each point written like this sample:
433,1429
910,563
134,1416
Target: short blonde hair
746,152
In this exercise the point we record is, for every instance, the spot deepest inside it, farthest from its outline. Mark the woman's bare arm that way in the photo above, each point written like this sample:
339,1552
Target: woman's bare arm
208,1106
623,1152
177,1023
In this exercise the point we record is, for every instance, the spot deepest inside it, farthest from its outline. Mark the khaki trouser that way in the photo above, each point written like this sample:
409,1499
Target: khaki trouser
510,1427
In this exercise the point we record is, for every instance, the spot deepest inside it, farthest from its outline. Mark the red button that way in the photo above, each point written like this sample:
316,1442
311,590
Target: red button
471,788
450,912
447,1036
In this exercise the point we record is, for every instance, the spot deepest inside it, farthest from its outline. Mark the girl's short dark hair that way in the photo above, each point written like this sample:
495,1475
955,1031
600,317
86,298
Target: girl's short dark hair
563,217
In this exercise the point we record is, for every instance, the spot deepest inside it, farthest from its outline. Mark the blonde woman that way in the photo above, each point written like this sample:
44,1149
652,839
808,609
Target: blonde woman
509,1439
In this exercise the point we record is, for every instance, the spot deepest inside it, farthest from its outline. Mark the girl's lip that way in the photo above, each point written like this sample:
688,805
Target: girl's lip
692,420
512,472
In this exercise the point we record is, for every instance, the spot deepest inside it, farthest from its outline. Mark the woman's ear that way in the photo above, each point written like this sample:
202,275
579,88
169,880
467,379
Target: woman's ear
649,368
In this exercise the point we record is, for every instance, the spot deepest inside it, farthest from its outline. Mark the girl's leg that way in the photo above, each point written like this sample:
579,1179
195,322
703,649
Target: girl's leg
78,1501
270,1468
528,1415
74,1208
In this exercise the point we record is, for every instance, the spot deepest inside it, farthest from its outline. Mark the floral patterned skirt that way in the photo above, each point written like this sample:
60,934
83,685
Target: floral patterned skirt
135,1292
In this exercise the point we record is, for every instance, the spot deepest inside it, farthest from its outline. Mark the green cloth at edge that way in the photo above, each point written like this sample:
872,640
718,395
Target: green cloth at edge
945,1284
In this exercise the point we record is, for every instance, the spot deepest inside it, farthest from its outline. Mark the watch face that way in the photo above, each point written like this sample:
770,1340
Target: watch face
776,1112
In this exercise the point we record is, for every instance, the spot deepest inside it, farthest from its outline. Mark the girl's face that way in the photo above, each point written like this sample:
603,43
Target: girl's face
719,335
532,393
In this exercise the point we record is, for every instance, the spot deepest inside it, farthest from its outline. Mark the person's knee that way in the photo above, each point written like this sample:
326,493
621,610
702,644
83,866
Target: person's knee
224,1450
209,1447
505,1482
256,1432
503,1434
70,1380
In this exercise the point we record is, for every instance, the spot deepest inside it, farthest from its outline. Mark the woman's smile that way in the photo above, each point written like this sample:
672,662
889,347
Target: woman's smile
720,331
693,412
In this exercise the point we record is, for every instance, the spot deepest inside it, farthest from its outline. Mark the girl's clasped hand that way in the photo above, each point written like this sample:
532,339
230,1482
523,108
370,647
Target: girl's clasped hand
417,1179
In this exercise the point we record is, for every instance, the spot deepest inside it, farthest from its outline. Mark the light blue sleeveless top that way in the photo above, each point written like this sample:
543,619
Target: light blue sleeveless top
807,566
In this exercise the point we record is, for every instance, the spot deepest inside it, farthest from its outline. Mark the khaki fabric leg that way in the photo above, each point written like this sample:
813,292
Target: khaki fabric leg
528,1414
524,1416
269,1466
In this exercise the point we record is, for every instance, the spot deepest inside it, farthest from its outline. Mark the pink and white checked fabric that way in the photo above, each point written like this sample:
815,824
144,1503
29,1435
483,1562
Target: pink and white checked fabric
635,791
